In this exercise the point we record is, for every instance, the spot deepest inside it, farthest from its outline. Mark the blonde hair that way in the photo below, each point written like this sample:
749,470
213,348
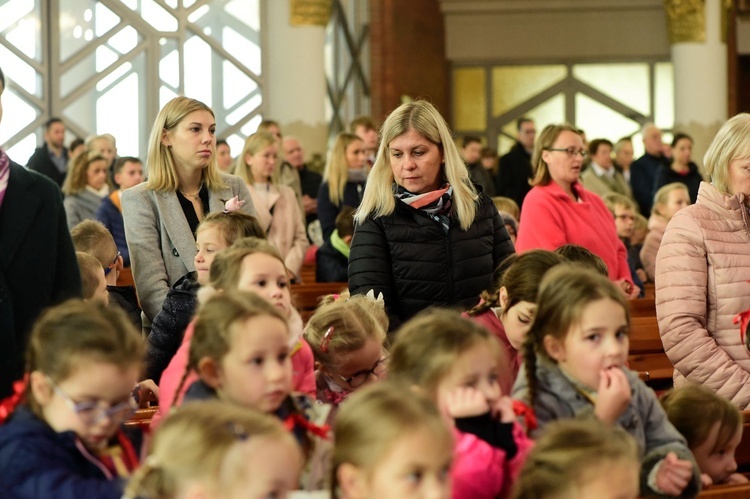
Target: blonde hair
425,119
563,294
641,222
162,173
615,199
77,178
90,270
569,453
75,332
376,418
350,322
253,144
662,195
731,142
226,268
336,172
427,347
232,226
507,205
92,237
200,442
694,410
546,140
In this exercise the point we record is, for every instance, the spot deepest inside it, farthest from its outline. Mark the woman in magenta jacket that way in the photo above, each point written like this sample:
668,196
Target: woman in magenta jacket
559,211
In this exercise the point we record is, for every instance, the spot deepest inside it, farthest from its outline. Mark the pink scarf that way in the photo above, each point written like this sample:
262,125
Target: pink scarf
4,174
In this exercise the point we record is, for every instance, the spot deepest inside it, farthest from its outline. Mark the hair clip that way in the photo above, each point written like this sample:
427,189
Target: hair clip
237,430
371,295
233,204
326,340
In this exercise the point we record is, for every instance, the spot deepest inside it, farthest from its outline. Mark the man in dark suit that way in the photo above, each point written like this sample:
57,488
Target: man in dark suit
643,170
309,181
515,169
51,158
38,266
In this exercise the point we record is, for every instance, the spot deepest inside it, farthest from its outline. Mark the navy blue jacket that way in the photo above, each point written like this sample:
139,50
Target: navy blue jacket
331,265
40,162
327,211
37,462
111,217
642,180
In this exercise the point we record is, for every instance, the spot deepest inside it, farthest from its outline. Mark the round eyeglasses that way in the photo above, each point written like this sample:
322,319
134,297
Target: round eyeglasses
359,378
92,412
570,151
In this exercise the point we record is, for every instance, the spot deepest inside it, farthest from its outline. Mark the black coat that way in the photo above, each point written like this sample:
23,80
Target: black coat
410,259
666,175
168,327
513,174
40,162
330,264
38,266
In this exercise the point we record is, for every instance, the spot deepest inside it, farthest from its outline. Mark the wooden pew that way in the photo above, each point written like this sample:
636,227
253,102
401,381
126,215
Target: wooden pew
306,297
743,450
141,418
727,491
647,355
642,307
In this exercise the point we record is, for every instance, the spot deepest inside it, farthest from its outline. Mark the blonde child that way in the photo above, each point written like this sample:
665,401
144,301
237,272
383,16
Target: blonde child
343,180
85,186
251,264
455,362
276,205
347,337
241,351
640,229
575,356
92,237
216,232
508,310
391,442
83,361
215,449
580,459
93,283
667,201
712,426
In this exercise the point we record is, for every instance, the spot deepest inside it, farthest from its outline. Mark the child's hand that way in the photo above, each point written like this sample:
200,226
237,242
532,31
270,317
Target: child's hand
674,474
146,391
465,402
613,396
503,410
706,480
736,478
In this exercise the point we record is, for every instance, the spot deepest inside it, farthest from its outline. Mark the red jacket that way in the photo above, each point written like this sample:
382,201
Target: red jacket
551,219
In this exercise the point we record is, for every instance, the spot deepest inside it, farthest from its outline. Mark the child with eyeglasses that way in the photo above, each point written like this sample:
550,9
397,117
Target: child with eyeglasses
64,441
347,336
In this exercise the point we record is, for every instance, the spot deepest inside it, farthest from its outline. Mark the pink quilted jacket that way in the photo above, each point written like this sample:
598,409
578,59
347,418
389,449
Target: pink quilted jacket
657,224
702,270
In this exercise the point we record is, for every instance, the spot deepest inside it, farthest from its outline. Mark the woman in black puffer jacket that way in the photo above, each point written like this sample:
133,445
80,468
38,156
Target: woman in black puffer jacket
425,236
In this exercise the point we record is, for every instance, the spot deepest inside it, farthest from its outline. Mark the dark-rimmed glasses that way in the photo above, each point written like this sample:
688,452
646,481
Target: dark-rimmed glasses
112,265
359,378
92,412
570,151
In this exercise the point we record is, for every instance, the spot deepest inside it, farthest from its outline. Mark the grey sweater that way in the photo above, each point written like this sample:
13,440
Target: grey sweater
644,419
81,206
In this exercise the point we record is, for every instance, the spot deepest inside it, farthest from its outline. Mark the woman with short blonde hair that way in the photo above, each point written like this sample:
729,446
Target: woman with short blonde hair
702,272
424,235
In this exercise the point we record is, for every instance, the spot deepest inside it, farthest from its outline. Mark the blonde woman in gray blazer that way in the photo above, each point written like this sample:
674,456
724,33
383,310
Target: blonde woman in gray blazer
181,168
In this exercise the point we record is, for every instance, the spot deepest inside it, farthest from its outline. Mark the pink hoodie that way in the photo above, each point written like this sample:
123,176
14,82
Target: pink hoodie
481,471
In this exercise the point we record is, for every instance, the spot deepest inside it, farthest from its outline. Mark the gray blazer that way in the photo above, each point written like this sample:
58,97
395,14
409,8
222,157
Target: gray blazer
161,244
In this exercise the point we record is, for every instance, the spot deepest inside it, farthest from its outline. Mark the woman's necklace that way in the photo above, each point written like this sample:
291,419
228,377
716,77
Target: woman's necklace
196,196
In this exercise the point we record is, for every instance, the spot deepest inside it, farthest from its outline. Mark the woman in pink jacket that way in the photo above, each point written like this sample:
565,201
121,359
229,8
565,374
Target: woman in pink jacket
702,272
559,211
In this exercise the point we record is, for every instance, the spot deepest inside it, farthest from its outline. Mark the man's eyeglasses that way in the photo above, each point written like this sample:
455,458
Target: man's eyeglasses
359,378
112,265
92,412
570,151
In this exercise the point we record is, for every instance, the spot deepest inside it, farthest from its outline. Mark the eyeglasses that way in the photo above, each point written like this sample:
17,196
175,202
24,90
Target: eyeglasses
359,378
91,412
112,265
571,152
